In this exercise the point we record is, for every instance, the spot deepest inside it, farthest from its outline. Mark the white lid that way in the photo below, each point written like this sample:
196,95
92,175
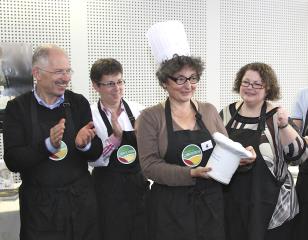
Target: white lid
166,39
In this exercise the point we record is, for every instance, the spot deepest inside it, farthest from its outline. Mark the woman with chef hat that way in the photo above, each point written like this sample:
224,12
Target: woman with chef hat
175,142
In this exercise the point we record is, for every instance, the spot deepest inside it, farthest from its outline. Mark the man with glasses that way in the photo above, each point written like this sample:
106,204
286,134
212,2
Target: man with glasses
48,138
119,184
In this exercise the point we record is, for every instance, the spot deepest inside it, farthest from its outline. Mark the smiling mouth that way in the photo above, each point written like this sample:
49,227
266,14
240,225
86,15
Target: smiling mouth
62,84
250,93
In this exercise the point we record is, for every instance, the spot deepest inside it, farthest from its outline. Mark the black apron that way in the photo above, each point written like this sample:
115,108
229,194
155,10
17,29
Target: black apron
120,190
301,220
186,212
63,213
251,196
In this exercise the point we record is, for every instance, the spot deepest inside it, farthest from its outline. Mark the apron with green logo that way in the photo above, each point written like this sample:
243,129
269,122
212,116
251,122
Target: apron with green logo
120,188
49,208
187,212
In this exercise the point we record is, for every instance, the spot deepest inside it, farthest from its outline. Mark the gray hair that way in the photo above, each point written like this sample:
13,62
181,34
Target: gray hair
41,53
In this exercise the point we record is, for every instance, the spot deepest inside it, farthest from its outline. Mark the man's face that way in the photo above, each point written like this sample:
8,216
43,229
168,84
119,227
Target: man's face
54,76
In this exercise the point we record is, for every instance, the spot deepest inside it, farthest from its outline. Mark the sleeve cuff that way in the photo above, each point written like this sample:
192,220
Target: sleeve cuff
49,146
115,141
86,148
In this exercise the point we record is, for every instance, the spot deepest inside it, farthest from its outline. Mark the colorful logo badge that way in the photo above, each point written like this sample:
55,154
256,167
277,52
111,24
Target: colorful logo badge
192,155
126,154
61,154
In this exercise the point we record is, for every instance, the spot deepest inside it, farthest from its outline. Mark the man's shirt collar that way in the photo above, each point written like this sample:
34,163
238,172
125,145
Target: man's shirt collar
40,101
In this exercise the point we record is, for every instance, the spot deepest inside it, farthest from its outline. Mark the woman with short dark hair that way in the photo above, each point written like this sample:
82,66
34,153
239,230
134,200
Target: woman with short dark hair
119,184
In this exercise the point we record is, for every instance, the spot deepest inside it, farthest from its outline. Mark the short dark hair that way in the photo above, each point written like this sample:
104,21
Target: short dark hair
105,66
267,75
175,64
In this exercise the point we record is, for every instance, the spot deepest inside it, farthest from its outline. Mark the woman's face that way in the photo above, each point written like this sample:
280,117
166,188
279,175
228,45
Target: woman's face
255,92
110,89
184,92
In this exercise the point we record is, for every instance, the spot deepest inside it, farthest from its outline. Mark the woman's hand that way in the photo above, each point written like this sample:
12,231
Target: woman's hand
246,161
200,172
282,117
116,127
287,133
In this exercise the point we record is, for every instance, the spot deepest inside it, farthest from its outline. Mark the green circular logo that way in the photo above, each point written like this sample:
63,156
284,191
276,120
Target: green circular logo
192,155
61,154
126,154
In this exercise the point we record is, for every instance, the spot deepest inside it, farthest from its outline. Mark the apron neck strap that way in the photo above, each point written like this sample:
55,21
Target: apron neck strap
228,126
129,113
105,119
198,117
70,126
262,117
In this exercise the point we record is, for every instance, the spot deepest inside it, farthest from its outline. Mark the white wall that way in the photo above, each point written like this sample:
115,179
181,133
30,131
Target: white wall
225,33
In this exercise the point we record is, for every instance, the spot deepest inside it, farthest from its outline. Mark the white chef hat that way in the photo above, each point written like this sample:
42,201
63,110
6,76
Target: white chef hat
225,158
166,39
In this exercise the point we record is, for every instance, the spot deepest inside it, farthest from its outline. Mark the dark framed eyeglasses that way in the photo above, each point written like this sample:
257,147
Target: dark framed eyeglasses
59,72
111,84
180,80
253,85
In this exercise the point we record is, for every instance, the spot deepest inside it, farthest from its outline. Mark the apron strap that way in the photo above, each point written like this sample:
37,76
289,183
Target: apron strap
105,119
169,124
129,113
198,117
228,126
70,126
168,119
199,121
262,117
35,132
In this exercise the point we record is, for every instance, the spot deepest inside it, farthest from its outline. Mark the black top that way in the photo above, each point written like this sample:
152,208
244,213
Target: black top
24,142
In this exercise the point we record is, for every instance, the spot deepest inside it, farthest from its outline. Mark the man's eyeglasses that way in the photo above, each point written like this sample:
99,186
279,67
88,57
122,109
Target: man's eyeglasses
59,72
253,85
182,79
111,84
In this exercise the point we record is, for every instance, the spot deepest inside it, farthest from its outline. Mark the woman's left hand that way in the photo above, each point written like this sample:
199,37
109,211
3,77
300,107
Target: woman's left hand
283,117
246,161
